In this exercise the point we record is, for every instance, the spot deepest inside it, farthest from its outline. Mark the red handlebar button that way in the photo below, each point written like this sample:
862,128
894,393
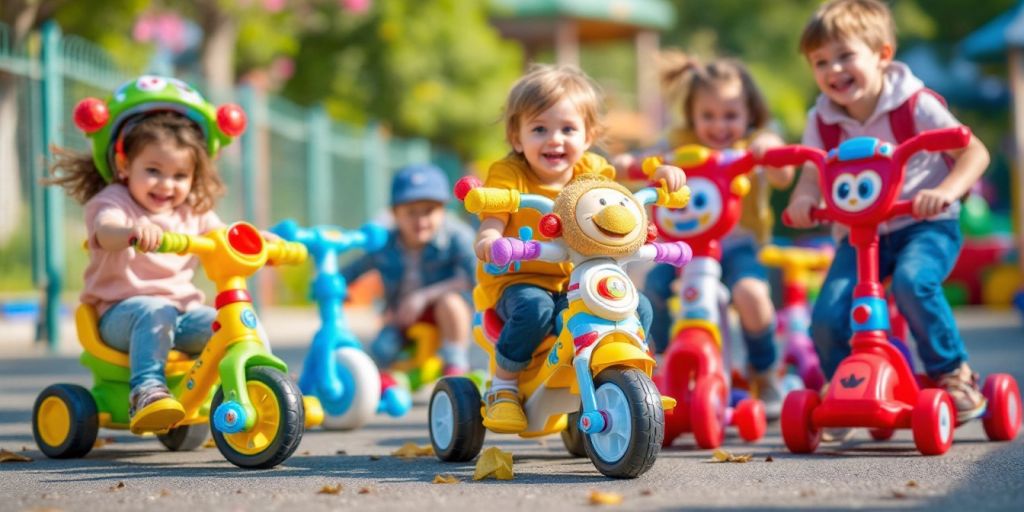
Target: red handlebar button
861,313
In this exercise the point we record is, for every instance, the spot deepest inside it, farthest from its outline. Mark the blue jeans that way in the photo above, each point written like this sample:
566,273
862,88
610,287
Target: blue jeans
919,257
739,261
147,328
530,314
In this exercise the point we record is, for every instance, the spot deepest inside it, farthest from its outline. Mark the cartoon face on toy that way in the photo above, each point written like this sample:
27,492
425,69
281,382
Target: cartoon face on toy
859,176
597,217
701,214
103,121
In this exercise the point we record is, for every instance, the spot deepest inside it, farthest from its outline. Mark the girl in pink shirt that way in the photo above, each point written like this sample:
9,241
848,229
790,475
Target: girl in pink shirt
161,179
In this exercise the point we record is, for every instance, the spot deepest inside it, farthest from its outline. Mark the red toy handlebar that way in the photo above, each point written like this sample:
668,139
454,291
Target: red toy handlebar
817,215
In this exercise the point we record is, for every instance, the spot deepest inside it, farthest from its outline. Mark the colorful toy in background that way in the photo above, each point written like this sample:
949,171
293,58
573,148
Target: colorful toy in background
875,387
257,414
986,271
695,369
420,364
800,266
596,371
337,370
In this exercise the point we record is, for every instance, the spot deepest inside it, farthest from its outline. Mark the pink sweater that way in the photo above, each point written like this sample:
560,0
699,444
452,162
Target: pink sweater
113,276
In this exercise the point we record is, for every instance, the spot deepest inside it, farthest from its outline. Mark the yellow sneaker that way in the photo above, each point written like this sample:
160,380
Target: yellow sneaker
153,409
504,414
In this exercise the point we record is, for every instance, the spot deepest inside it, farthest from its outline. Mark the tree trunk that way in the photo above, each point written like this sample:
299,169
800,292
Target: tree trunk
218,52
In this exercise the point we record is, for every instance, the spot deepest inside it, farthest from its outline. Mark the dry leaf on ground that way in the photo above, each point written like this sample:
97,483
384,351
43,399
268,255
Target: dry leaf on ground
210,443
721,455
605,498
365,490
118,486
6,456
446,479
412,450
494,463
330,489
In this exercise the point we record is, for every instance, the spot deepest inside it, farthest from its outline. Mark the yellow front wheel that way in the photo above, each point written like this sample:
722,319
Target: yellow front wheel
65,421
278,426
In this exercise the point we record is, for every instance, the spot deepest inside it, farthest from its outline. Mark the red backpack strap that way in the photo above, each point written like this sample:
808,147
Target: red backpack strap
901,118
829,133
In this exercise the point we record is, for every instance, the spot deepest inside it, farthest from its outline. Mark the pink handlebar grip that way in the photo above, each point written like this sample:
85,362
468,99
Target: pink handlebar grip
676,254
506,250
786,156
946,139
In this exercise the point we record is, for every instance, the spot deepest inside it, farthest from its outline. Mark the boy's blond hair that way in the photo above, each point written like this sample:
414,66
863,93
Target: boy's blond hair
542,87
838,20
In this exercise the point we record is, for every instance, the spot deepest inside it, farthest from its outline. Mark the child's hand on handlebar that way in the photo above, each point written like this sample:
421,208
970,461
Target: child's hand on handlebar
146,237
483,247
931,202
673,177
799,211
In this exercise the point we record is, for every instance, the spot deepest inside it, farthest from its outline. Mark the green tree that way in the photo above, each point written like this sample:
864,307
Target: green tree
430,69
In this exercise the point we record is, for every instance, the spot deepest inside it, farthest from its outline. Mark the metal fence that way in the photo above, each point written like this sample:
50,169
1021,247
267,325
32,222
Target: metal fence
292,162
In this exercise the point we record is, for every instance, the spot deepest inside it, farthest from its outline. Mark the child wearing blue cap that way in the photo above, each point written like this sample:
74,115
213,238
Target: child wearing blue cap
427,267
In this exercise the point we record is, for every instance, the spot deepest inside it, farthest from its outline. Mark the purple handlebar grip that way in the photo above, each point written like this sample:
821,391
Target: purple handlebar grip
676,254
506,250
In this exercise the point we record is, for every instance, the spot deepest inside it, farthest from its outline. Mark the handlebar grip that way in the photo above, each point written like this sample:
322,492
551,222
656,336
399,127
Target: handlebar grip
946,139
286,253
173,242
783,156
492,200
772,256
677,254
678,199
817,215
506,250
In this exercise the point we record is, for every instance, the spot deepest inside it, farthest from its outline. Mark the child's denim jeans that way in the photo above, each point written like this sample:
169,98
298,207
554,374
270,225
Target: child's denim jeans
147,328
530,314
918,257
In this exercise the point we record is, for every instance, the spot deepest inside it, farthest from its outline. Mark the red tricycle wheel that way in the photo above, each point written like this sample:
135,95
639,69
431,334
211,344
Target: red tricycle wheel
707,413
749,418
882,434
932,422
798,430
1003,417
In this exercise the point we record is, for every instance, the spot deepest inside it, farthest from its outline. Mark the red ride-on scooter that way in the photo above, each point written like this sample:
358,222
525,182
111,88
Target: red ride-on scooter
875,387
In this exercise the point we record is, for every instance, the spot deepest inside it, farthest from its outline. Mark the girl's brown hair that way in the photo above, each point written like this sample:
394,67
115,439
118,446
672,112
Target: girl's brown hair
542,87
77,173
683,76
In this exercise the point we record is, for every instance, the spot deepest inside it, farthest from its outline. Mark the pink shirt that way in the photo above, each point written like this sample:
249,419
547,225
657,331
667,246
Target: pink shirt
113,276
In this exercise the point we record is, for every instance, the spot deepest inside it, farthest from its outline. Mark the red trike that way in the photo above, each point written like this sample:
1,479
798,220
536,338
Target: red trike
875,386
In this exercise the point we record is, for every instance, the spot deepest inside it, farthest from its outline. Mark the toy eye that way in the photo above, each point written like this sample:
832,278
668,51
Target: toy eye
700,201
844,190
842,187
150,83
869,185
603,202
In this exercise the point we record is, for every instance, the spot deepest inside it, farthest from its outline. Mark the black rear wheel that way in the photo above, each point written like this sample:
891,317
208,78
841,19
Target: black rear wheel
572,437
65,421
456,425
185,438
632,441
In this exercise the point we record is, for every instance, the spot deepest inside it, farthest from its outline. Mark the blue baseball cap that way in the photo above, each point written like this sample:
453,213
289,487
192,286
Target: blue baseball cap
419,182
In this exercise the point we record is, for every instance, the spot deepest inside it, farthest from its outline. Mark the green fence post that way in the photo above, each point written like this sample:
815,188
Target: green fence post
250,153
375,168
318,176
53,197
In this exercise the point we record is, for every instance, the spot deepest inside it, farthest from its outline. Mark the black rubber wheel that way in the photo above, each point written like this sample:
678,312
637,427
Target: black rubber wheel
65,421
185,438
572,437
287,433
645,426
456,425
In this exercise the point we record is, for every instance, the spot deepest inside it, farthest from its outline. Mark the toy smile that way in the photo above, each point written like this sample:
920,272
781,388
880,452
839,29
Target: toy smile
692,224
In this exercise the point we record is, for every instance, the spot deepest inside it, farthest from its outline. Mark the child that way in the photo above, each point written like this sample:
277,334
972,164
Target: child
427,266
722,108
849,45
551,119
153,174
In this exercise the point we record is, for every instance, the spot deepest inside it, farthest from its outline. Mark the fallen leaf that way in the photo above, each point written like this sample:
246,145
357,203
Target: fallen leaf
605,498
912,483
304,452
769,459
6,456
341,452
330,489
899,495
805,493
365,490
494,463
721,455
374,457
118,486
411,450
647,492
446,479
210,443
165,492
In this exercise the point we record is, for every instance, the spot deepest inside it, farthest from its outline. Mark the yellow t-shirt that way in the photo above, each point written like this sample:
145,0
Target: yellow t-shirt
512,172
756,216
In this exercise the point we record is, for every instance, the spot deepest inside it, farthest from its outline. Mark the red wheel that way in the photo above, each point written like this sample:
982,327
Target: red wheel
932,421
798,430
882,434
1003,417
749,418
707,413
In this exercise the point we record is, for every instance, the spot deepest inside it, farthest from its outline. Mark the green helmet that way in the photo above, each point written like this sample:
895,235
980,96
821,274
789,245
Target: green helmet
104,121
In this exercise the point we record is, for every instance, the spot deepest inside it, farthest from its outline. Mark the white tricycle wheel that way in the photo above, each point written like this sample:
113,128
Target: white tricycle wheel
359,375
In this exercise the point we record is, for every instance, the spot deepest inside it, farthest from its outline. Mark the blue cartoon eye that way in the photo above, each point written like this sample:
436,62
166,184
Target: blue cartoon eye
865,189
844,190
700,201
